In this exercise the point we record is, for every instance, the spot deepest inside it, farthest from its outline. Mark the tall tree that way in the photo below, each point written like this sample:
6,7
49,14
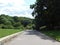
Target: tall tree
40,12
46,12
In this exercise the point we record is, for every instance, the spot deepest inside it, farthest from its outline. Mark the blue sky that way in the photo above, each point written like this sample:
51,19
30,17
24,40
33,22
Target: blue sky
16,7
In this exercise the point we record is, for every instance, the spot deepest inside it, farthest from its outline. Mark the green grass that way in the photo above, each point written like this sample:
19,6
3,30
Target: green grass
54,34
6,32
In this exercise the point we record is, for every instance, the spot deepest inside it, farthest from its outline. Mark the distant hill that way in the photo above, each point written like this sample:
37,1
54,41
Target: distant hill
9,22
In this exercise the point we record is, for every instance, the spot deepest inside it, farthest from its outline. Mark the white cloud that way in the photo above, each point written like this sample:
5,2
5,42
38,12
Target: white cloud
12,1
15,8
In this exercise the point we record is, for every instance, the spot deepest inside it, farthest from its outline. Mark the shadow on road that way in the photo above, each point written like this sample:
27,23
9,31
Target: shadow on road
39,34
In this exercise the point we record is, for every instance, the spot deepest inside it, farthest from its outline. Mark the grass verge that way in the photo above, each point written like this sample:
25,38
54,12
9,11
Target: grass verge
6,32
55,34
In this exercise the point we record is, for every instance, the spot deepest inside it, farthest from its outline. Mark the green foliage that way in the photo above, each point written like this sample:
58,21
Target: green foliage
32,6
2,26
38,12
46,12
8,22
29,26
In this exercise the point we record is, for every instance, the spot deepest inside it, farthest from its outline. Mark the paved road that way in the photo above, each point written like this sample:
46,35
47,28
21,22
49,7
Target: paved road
30,37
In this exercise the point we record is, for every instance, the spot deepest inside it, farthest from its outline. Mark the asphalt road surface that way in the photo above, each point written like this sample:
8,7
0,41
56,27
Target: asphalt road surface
32,37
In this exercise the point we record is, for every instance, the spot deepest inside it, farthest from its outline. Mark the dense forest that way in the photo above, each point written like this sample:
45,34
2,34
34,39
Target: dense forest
9,22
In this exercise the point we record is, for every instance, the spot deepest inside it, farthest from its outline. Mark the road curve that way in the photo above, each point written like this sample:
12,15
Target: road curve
32,37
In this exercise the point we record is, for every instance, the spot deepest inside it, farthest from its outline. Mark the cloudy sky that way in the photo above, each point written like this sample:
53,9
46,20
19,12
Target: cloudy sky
16,7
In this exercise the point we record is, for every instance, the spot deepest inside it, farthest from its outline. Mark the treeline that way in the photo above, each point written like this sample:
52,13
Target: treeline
8,22
47,13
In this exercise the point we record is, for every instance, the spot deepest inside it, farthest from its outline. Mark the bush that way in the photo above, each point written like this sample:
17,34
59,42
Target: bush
2,26
19,27
8,22
9,27
29,26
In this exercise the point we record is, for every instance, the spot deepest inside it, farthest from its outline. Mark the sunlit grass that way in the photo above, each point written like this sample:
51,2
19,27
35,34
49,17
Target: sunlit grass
6,32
